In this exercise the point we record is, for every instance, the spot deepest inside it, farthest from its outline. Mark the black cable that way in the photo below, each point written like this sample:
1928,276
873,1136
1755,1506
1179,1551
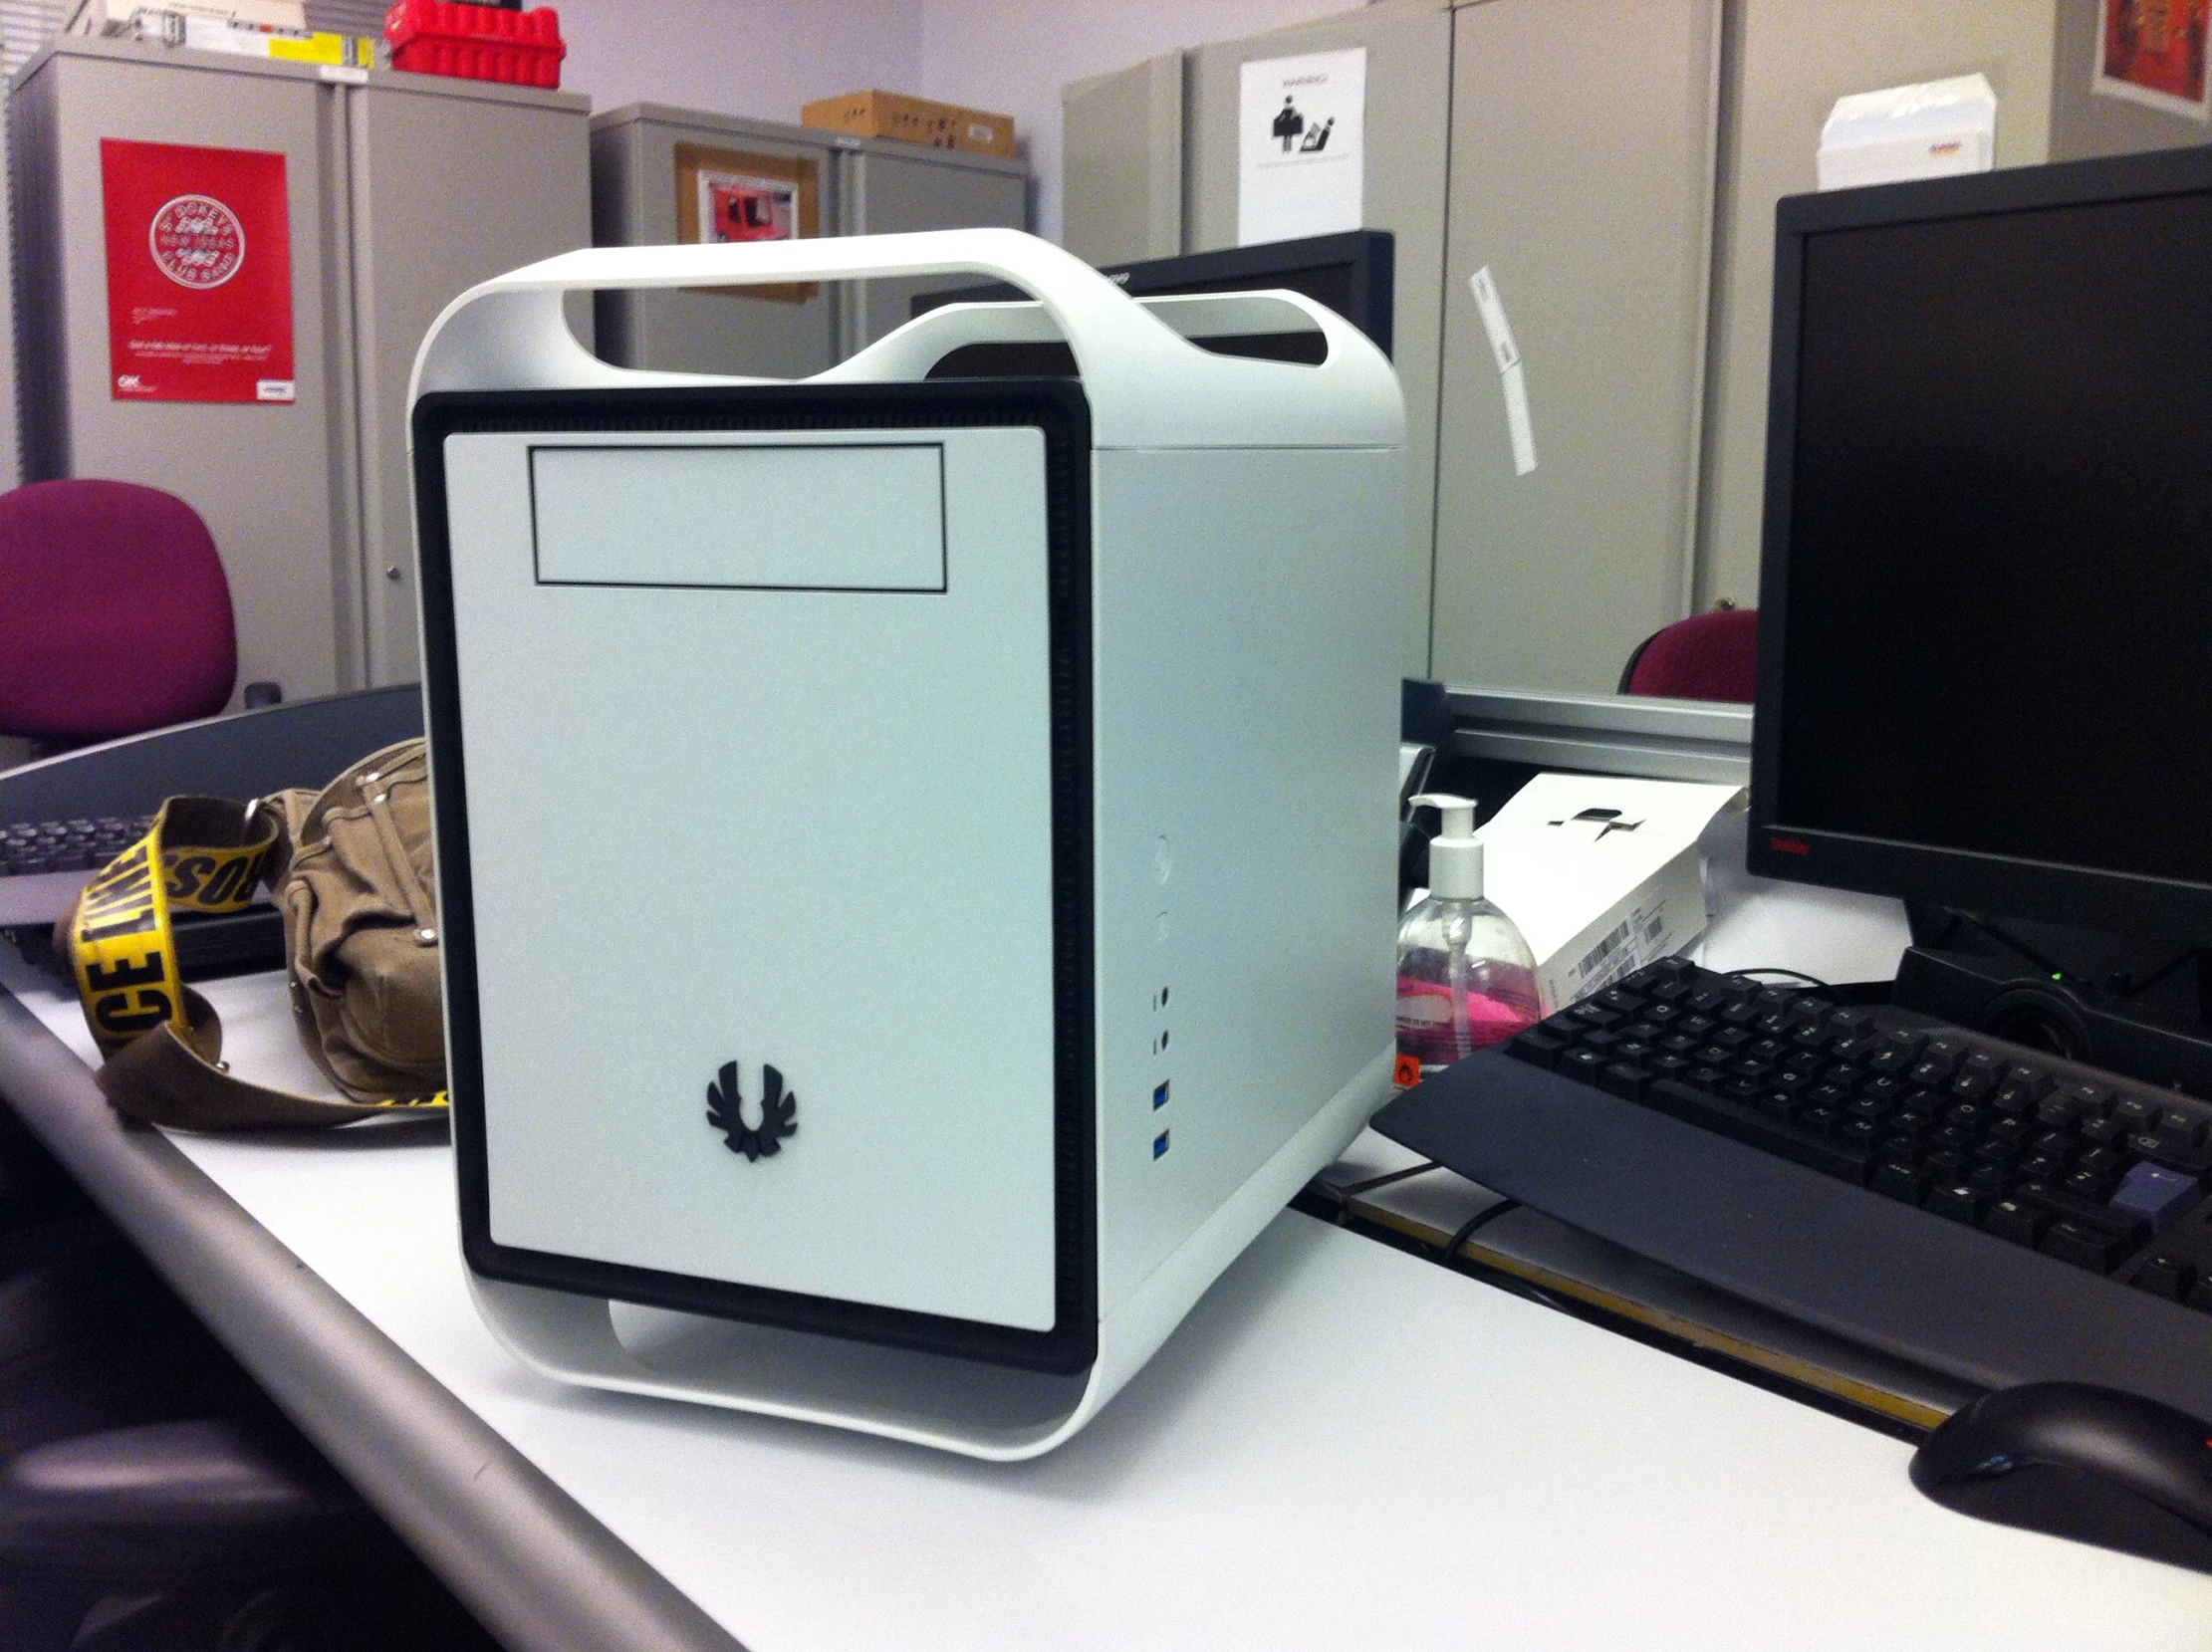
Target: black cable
2136,989
2014,943
1812,981
1466,1228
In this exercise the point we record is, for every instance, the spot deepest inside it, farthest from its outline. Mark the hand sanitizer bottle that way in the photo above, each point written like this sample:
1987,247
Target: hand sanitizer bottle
1466,976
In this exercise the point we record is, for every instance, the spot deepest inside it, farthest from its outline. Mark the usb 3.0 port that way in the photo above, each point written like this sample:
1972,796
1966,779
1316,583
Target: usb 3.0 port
1159,1094
1159,1145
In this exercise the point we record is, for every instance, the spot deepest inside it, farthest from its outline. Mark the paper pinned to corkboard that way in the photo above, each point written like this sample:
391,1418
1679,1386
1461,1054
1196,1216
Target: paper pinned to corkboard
734,196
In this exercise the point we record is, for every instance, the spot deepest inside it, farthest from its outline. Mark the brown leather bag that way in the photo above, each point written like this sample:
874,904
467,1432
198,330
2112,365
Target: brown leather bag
351,871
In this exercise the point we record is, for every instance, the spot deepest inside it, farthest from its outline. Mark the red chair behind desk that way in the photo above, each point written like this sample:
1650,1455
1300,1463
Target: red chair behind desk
115,615
1708,656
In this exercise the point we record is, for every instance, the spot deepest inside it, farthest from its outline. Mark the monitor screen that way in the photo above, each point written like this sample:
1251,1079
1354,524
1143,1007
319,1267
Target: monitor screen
1350,273
1986,599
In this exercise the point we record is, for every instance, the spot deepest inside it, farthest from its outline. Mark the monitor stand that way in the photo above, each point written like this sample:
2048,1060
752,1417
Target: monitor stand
2011,999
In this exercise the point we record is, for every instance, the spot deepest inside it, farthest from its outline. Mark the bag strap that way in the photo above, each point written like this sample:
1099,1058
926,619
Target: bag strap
162,1042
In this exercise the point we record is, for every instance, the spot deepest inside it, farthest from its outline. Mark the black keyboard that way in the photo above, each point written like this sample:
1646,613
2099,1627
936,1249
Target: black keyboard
1988,1210
81,845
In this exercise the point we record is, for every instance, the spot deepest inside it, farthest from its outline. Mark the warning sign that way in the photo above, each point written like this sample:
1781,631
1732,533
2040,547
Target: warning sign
1301,145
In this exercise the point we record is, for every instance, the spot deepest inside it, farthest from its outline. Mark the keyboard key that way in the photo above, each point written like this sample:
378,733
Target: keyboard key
2100,1161
1536,1047
1893,1058
2082,1246
2013,1097
1900,1180
2157,1194
2057,1112
1584,1065
1595,1014
2102,1128
2087,1185
1625,1079
2010,1219
2090,1213
2164,1276
1959,1202
2182,1126
2189,1161
2136,1114
2199,1296
1990,1180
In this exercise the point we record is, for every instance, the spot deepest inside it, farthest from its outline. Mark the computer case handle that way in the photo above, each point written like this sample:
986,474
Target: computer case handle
1147,385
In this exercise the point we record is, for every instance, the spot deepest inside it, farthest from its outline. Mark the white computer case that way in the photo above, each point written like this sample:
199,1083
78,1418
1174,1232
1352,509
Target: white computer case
1007,764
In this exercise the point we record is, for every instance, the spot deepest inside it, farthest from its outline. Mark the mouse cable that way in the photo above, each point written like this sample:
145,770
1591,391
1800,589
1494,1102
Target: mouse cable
1481,1217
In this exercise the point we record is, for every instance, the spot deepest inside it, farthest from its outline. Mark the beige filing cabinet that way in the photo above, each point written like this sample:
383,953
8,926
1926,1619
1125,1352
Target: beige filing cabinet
401,190
1408,46
861,186
1587,194
1567,144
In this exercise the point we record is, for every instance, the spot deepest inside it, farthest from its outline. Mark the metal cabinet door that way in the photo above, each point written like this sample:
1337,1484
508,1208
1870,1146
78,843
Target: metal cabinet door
1583,178
1408,116
452,183
257,473
885,195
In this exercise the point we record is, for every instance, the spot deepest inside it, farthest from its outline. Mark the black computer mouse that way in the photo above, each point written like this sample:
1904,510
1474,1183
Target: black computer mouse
2078,1461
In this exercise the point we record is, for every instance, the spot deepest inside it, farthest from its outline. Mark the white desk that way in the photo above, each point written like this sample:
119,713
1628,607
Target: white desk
1343,1446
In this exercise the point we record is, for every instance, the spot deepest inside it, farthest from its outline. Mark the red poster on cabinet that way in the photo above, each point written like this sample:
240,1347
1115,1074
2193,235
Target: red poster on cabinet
199,272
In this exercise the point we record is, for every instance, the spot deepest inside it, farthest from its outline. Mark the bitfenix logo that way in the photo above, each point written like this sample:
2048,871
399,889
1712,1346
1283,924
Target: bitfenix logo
779,1113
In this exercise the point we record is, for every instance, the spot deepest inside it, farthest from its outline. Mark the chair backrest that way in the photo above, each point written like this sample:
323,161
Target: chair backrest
115,615
1708,656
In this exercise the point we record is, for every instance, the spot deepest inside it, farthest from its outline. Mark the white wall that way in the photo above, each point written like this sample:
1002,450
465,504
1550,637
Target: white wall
1014,55
756,57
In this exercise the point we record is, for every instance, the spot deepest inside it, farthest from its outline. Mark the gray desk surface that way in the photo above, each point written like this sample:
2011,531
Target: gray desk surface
1343,1446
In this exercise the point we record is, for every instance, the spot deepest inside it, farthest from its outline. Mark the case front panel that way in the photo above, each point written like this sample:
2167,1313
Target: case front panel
759,898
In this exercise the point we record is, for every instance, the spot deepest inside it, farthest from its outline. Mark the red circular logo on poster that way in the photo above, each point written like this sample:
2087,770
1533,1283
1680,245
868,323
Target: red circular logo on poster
197,241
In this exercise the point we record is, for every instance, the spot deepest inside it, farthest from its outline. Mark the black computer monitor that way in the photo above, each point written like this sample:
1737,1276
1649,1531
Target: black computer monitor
1348,272
1985,631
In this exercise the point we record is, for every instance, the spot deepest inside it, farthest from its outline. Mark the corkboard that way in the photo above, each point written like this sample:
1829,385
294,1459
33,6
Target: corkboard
784,190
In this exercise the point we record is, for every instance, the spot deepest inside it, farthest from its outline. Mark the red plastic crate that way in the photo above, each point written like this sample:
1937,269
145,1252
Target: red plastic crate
476,42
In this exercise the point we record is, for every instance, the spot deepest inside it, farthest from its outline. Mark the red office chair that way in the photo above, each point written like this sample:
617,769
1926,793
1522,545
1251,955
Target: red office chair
115,615
1708,656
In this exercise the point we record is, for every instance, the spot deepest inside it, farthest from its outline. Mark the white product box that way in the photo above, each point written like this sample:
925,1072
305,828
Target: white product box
1934,129
1603,874
165,20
